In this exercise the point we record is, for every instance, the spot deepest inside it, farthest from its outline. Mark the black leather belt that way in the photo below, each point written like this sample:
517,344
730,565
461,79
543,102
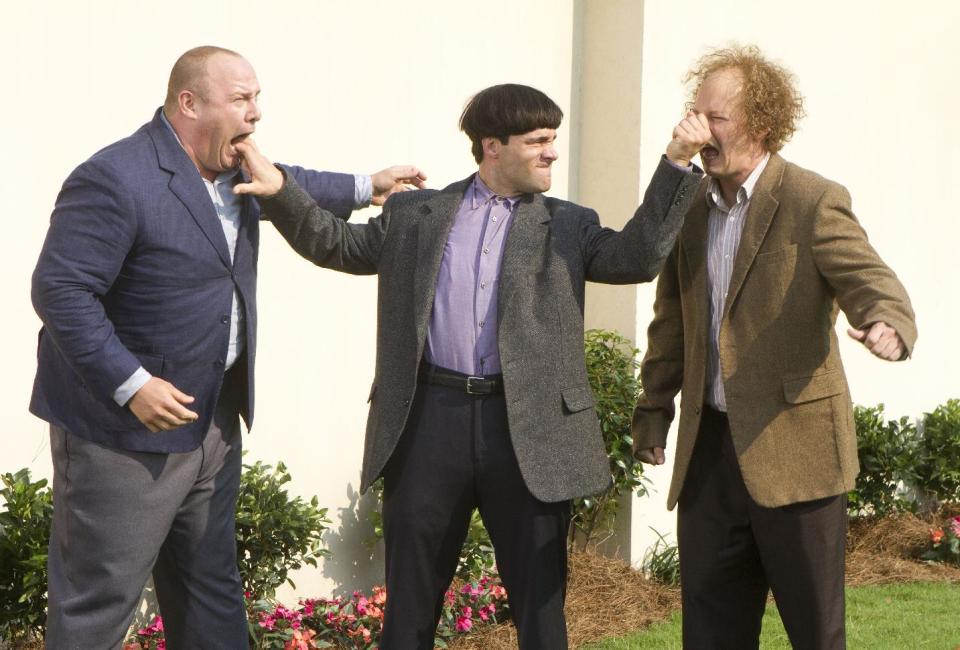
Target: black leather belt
470,384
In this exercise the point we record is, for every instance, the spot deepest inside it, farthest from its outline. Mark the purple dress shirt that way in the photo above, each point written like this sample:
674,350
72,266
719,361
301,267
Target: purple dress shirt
463,325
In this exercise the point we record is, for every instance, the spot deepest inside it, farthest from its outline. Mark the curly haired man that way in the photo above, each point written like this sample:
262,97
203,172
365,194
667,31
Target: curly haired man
743,328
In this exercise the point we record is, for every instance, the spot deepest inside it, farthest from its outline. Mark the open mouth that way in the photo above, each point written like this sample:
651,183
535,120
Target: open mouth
709,152
241,138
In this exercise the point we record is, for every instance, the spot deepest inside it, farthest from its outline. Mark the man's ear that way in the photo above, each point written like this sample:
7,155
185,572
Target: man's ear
187,104
491,148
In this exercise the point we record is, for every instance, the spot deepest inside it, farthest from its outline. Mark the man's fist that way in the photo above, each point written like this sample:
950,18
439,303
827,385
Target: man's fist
160,406
651,455
689,137
881,339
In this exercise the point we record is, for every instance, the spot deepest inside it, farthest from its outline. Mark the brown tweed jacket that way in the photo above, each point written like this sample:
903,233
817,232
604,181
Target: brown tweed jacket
802,255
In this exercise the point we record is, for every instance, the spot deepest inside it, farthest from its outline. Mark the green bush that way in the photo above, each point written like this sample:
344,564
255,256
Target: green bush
276,533
938,467
24,534
888,463
612,372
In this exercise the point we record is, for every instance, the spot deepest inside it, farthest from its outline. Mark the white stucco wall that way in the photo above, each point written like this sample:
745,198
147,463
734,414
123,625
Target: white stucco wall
881,97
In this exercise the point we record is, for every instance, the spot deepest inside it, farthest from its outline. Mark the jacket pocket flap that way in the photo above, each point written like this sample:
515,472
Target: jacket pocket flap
577,399
808,389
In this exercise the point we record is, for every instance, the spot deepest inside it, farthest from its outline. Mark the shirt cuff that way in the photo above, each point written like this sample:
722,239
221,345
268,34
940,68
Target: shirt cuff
687,168
130,387
362,190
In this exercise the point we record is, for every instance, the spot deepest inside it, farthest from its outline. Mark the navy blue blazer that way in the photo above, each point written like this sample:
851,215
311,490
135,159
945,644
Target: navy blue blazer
135,270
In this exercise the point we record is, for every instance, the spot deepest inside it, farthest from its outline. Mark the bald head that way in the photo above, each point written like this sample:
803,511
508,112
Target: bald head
190,73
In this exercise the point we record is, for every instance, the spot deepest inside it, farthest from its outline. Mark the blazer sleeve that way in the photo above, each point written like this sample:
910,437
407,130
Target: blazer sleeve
319,236
661,371
92,228
866,289
636,253
333,191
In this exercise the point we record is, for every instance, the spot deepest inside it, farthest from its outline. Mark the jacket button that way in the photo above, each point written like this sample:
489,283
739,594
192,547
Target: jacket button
406,402
218,363
696,410
224,319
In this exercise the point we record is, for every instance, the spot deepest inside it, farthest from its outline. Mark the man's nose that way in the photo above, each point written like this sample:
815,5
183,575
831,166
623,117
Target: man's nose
254,115
550,153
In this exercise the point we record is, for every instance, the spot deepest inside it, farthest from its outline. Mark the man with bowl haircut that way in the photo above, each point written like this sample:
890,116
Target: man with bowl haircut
480,397
743,328
146,286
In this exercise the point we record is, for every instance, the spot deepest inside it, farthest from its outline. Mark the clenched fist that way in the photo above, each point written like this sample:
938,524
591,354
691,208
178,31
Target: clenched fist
689,137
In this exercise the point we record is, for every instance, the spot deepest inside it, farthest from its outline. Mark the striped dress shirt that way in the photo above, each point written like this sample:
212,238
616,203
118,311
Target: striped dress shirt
725,226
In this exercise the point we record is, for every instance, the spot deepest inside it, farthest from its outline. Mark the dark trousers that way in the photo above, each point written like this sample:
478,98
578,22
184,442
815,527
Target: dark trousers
118,515
455,454
733,551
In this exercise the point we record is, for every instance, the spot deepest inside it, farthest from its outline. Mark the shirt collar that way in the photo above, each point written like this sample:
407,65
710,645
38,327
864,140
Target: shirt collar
481,195
714,196
231,175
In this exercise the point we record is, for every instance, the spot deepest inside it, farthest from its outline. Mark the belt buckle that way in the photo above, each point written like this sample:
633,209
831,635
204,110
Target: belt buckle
474,391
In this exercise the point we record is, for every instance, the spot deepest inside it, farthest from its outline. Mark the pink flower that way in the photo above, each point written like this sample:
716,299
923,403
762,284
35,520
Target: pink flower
156,625
487,612
464,623
955,526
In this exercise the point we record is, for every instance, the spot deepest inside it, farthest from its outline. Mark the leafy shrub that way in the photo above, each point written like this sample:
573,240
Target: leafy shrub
611,369
888,452
24,535
661,562
276,533
938,466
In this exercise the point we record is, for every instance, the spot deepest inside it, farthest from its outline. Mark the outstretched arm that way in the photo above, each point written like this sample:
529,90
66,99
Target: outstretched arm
313,232
636,253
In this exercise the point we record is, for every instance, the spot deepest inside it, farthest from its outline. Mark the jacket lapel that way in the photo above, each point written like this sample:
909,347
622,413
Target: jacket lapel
433,229
524,249
187,185
693,238
763,206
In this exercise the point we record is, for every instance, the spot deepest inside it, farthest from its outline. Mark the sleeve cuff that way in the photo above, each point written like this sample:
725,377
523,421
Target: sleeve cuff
362,190
130,387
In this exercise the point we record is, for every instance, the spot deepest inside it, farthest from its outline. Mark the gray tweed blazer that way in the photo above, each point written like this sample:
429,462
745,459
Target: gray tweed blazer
552,249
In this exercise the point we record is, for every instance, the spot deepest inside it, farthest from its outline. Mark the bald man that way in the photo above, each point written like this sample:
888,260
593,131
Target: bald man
146,286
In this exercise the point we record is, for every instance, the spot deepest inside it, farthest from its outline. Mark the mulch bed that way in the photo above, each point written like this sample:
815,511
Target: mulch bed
606,597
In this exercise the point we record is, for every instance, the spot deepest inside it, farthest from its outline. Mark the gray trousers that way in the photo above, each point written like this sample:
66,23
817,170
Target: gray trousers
118,515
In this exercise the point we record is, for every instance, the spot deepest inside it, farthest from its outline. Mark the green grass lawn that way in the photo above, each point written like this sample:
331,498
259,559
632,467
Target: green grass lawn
894,617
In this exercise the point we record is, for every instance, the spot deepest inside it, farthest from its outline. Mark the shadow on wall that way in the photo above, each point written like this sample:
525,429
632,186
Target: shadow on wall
356,556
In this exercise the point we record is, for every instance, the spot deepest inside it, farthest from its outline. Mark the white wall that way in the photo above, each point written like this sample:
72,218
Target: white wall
881,96
347,86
